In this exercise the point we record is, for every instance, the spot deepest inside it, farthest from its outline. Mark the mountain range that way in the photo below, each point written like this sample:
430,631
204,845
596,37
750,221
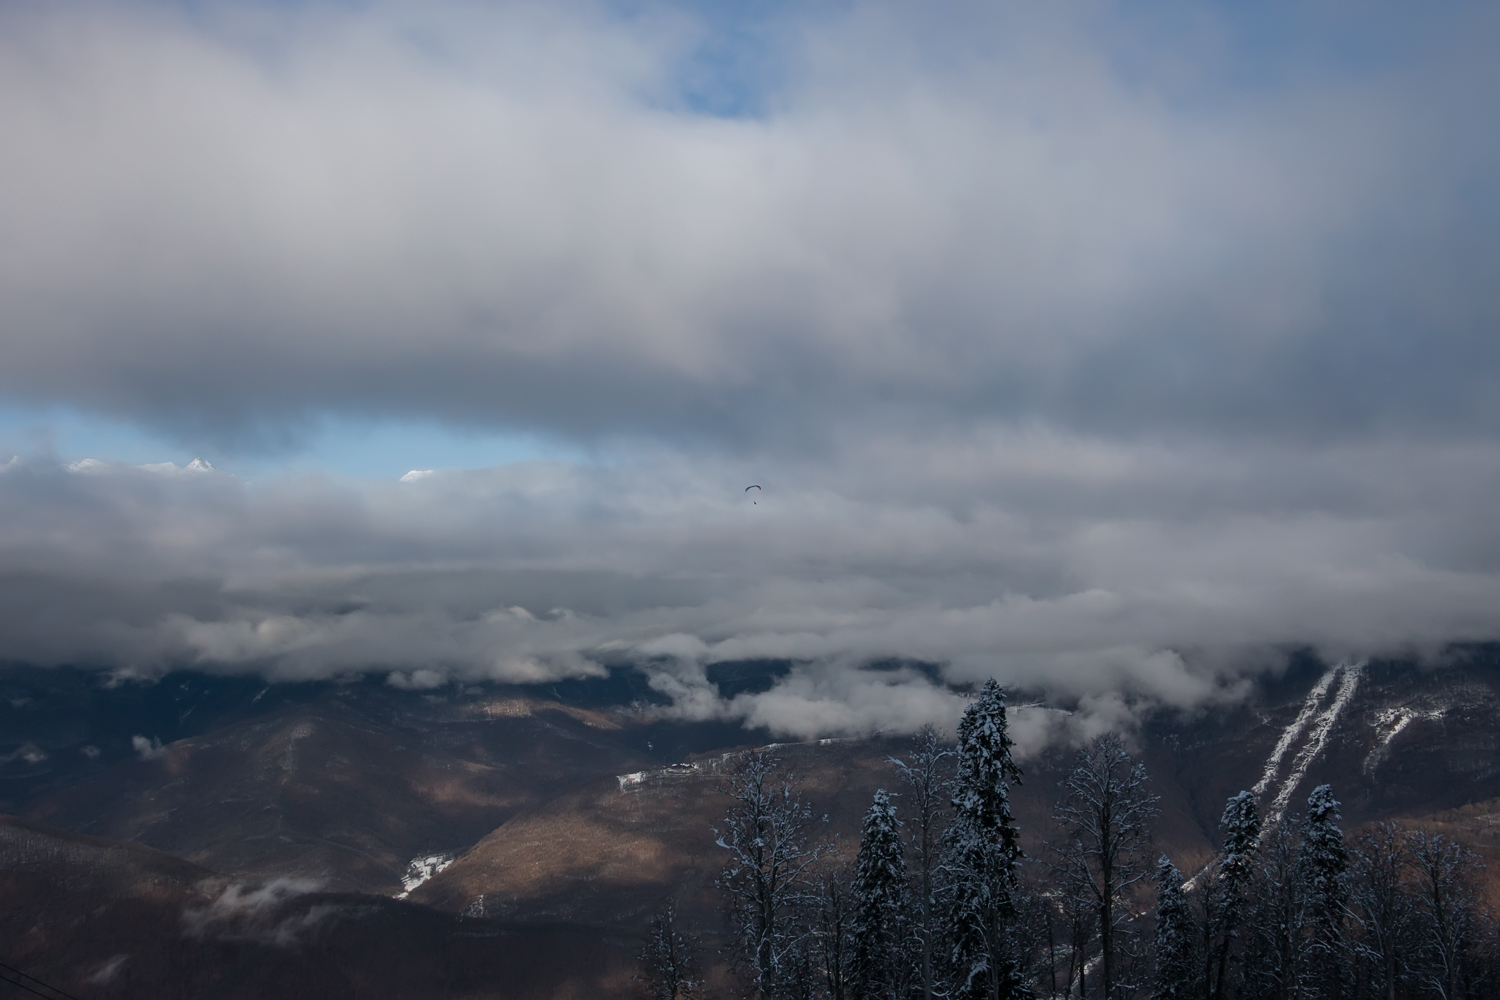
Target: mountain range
202,835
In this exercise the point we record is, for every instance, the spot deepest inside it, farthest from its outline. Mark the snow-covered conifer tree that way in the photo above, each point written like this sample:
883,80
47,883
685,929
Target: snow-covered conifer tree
1228,882
1322,868
982,852
1175,947
878,928
1240,827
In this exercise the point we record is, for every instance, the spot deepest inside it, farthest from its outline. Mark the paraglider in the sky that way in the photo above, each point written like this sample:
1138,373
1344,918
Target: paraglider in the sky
749,488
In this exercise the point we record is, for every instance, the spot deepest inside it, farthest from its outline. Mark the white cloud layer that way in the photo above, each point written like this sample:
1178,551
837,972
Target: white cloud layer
1080,568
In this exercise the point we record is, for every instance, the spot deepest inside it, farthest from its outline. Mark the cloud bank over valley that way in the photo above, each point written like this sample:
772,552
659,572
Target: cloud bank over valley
1084,569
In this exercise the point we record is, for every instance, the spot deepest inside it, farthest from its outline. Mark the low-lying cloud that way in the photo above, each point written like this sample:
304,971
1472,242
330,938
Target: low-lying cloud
148,749
1080,568
267,913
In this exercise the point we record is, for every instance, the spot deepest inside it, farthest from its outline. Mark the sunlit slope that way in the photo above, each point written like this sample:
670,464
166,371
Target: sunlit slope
1401,743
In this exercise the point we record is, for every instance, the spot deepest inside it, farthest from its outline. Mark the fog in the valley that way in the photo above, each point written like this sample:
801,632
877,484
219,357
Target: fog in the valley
1115,352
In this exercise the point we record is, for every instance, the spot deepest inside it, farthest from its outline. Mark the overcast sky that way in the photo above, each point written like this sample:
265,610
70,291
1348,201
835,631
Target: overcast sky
1110,349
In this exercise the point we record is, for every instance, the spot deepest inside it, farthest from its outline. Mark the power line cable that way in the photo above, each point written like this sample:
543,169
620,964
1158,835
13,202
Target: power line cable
34,979
23,986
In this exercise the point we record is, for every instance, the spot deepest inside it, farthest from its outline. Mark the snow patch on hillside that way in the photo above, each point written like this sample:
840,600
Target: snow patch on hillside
1388,724
636,778
422,868
714,766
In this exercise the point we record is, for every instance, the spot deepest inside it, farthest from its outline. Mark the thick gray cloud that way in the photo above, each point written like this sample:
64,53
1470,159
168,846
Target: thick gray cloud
1107,350
221,222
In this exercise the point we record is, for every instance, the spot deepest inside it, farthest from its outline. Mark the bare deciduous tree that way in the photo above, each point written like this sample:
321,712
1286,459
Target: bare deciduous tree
1274,950
766,881
669,963
835,911
1450,914
1381,906
1103,852
926,771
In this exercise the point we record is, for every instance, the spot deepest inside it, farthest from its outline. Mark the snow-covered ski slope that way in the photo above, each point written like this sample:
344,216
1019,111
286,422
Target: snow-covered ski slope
1307,735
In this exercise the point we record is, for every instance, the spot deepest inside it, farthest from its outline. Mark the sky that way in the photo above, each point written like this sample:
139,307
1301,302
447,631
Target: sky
1114,350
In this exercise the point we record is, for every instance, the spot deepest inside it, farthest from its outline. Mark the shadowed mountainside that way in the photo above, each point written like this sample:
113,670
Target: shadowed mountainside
120,921
331,790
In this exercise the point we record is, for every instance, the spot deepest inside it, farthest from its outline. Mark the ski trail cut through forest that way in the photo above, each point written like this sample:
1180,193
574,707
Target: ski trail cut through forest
1350,676
1309,709
1321,721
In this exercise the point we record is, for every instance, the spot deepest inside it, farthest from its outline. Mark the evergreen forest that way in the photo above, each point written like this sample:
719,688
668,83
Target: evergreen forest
940,901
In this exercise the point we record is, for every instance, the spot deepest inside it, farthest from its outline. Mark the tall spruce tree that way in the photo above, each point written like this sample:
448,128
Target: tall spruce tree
1322,867
878,968
1227,885
1178,970
982,854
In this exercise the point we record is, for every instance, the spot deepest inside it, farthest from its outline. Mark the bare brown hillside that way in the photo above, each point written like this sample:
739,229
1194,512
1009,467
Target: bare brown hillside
105,920
329,792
